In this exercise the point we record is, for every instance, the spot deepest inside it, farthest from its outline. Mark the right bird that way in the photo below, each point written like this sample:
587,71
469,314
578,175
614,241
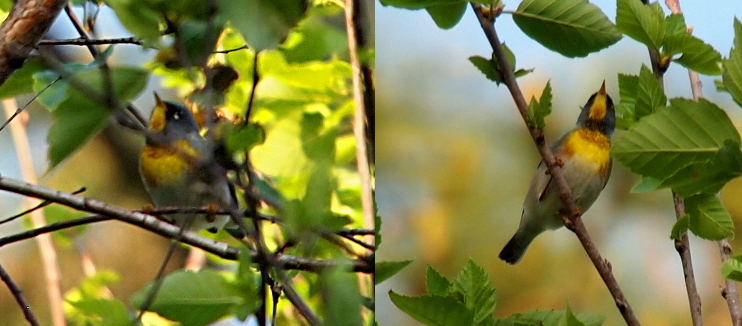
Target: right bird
585,154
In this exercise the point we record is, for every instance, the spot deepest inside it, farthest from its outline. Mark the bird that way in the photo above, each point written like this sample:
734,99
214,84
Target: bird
177,168
584,156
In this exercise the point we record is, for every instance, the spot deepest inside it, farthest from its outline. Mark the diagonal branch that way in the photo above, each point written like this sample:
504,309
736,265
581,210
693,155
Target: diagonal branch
19,297
573,221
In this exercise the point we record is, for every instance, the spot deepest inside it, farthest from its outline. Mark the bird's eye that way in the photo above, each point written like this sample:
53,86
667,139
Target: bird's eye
176,116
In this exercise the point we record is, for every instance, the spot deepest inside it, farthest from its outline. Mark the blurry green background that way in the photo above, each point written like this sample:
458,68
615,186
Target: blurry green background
454,161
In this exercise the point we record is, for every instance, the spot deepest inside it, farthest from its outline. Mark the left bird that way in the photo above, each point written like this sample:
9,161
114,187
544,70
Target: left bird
178,169
584,153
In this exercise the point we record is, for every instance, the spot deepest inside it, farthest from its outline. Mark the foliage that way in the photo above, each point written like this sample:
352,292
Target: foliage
688,146
279,76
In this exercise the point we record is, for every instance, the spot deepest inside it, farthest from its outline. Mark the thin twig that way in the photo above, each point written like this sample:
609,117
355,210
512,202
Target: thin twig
18,295
46,246
88,42
682,245
729,291
148,222
21,109
39,206
573,220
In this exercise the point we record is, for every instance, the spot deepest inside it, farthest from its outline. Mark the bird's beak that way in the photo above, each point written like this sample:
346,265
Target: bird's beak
157,119
599,108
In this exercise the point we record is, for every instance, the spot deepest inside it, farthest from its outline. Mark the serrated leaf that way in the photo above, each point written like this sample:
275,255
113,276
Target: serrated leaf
709,219
666,141
641,22
676,24
448,15
680,227
696,54
732,74
708,177
487,68
569,318
547,318
539,110
436,283
263,23
573,28
433,309
649,96
387,269
478,292
625,115
192,298
732,268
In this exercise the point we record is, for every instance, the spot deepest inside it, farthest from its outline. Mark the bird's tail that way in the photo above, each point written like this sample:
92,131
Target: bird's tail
516,247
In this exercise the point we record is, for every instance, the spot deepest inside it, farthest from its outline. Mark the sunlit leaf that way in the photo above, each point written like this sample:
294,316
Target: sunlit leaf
709,219
448,15
386,269
433,309
732,75
641,22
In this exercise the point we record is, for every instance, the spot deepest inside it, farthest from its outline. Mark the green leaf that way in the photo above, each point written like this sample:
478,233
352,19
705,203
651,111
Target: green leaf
538,111
433,309
78,117
263,23
387,269
676,25
708,177
75,121
246,138
436,283
421,4
448,15
548,318
625,111
650,95
487,67
21,81
106,312
192,298
340,297
664,142
478,292
680,227
569,318
641,22
732,75
709,219
732,268
573,28
646,184
697,55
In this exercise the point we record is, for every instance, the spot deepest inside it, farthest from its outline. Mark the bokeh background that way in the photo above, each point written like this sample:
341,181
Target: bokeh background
454,161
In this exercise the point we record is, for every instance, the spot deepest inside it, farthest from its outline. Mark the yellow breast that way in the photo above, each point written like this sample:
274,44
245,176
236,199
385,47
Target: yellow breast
163,165
589,146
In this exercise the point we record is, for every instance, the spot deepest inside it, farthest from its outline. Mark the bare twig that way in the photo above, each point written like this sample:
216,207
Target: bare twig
18,295
46,246
21,109
729,290
572,220
148,222
87,42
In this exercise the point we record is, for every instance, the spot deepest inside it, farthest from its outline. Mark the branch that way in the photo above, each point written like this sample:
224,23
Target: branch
87,42
18,295
682,245
573,220
729,291
24,27
151,223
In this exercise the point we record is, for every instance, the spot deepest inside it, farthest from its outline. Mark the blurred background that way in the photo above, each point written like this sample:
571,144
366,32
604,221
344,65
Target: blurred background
454,161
